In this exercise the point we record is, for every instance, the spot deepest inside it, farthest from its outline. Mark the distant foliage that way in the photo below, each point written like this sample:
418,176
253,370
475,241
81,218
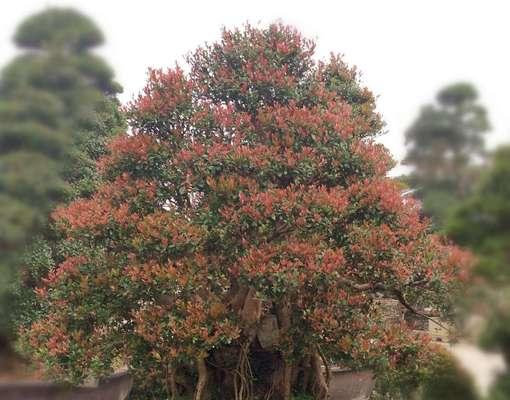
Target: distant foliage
57,108
243,234
448,381
487,210
482,223
444,144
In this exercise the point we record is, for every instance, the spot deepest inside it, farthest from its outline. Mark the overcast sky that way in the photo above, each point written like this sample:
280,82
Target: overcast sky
406,49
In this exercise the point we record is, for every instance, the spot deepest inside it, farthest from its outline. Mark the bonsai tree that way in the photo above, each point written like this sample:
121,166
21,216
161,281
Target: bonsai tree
57,108
244,236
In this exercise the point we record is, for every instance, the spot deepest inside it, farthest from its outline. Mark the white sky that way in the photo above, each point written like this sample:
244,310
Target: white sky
406,49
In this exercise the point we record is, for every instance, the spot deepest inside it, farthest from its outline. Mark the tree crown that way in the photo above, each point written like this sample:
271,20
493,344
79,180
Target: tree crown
62,28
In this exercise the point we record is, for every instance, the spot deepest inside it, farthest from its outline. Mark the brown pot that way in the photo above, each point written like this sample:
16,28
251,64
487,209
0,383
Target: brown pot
351,385
116,387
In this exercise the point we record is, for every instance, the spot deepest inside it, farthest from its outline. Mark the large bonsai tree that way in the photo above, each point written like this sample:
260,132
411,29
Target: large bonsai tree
244,234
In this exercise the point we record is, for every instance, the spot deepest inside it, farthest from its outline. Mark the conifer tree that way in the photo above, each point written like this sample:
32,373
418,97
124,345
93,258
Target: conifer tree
57,108
482,223
444,144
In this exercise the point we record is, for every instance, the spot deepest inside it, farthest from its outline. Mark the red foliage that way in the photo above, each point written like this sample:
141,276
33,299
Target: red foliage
257,172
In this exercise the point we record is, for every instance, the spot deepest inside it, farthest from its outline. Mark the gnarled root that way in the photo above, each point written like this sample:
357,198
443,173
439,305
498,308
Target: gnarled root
283,311
243,374
171,385
321,387
285,388
202,379
281,384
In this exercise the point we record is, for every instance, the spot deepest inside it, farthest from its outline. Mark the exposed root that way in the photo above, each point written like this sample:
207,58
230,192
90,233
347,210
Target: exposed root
171,385
283,311
286,380
202,379
326,365
243,389
321,387
305,381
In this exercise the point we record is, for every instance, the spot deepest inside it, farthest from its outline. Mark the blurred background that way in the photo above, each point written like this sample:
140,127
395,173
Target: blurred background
439,69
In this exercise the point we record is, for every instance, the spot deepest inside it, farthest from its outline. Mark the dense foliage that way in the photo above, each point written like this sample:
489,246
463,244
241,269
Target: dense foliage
244,234
488,210
57,109
482,222
448,381
444,144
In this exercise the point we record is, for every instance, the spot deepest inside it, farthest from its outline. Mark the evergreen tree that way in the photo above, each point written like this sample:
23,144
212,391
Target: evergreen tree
444,143
482,223
57,107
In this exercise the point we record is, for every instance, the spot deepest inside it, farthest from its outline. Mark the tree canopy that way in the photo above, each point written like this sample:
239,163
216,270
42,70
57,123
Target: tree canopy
244,234
65,28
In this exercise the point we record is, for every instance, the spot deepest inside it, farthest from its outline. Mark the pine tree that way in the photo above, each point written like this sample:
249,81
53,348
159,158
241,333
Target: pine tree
57,108
445,142
482,223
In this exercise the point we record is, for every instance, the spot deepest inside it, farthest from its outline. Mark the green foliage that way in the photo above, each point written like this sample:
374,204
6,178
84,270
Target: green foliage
57,108
448,381
442,379
482,223
443,144
501,389
63,27
302,397
496,335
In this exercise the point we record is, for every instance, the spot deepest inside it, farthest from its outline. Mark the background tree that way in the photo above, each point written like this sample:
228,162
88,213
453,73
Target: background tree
57,107
448,381
444,143
482,223
243,236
